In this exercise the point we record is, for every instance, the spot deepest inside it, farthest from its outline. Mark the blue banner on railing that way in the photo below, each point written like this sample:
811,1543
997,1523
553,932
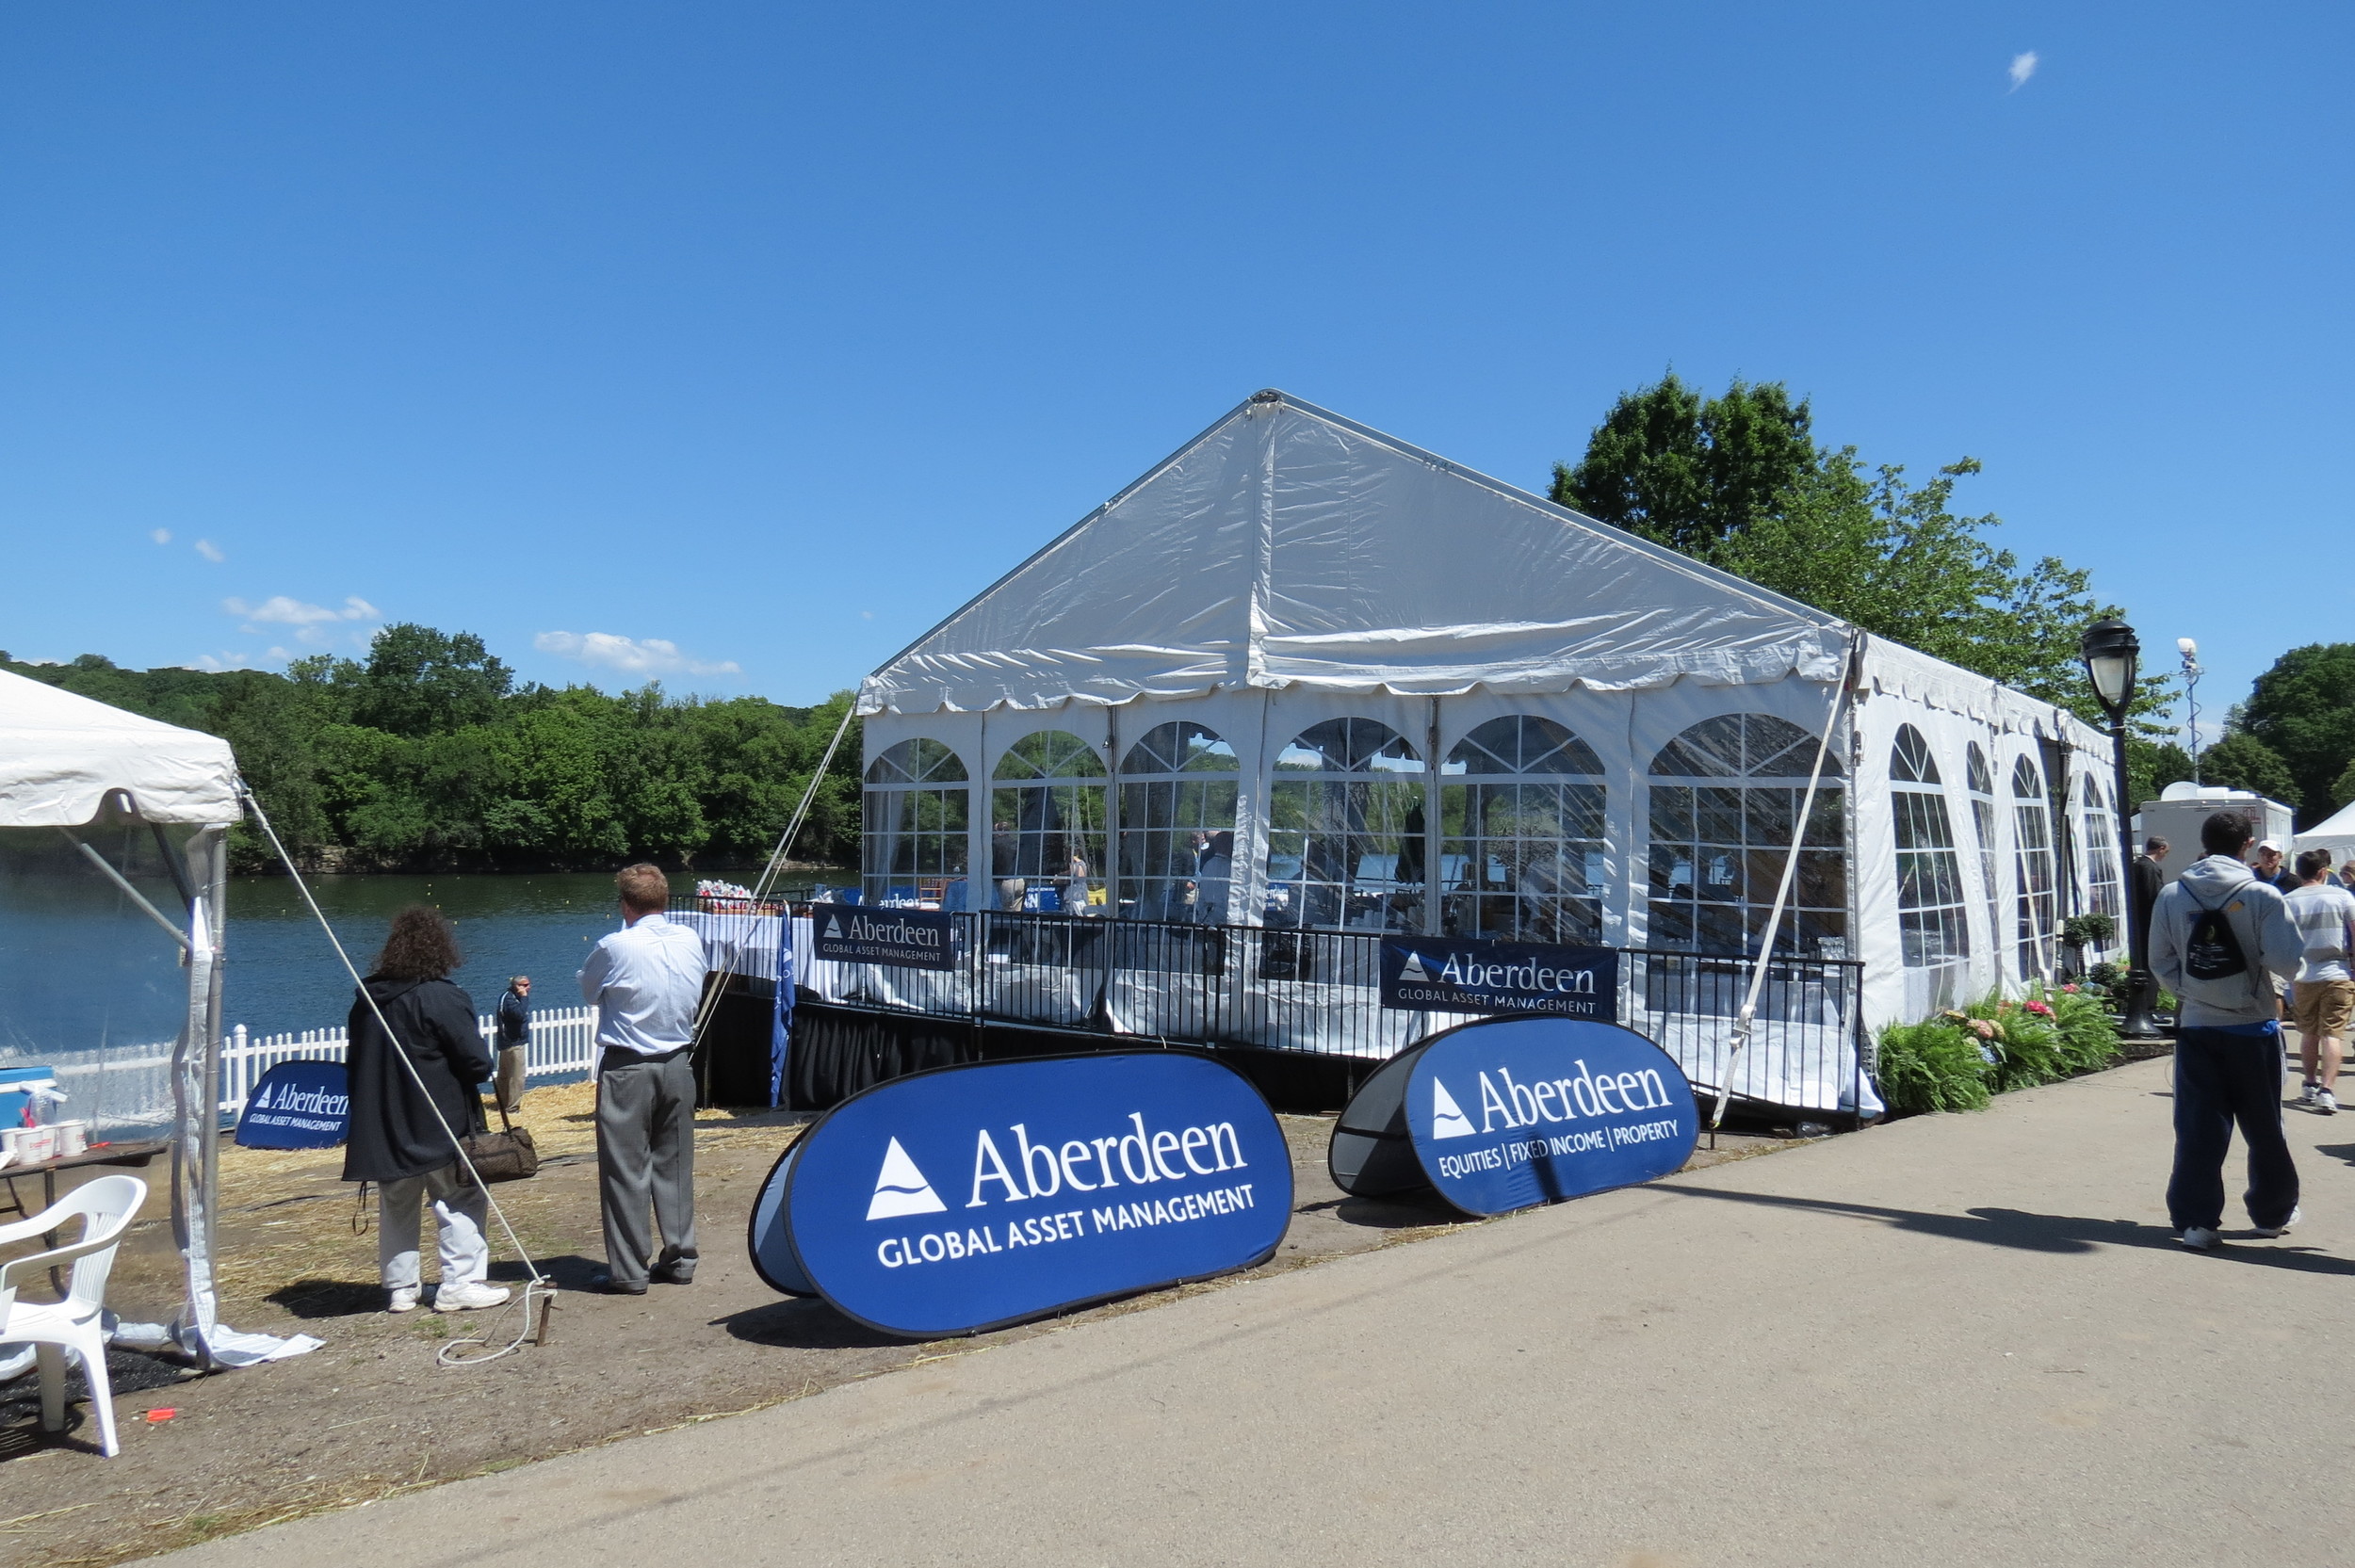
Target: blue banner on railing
910,938
971,1197
1510,1112
1433,974
298,1105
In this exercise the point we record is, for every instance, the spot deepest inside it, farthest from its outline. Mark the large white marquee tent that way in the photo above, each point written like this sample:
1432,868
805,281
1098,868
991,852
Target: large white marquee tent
1361,662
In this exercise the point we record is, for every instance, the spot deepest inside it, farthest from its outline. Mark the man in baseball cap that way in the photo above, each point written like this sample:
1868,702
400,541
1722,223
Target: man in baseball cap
2270,868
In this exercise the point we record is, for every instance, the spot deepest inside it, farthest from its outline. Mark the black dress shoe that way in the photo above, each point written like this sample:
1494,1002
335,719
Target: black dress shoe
605,1284
673,1274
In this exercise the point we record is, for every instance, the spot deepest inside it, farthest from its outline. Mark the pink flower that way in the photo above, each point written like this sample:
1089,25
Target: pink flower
1983,1028
2040,1008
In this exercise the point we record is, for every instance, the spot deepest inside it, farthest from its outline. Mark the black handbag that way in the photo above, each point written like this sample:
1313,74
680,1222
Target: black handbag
506,1155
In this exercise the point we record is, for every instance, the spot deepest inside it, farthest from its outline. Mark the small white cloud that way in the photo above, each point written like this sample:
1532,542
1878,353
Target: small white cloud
280,654
218,662
280,611
650,655
161,535
867,615
211,551
2022,67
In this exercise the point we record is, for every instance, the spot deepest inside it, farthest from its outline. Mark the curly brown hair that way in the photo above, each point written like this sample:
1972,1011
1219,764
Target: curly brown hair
420,946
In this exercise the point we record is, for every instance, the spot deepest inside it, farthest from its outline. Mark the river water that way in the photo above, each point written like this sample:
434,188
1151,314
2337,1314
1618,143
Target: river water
81,966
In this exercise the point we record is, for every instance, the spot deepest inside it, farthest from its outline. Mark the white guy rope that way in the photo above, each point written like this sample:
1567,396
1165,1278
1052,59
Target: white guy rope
539,1285
1747,1018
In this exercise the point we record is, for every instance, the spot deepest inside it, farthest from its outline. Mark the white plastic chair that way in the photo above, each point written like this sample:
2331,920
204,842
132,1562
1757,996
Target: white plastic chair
105,1207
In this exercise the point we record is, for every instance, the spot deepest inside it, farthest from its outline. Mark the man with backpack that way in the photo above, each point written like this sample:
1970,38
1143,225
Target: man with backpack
2217,936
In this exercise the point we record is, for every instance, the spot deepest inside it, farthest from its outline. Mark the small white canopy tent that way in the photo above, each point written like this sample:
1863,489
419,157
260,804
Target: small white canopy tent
66,763
1385,652
2336,834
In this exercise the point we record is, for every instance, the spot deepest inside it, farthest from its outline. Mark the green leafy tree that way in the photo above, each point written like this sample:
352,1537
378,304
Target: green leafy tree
2241,761
417,681
1685,471
1739,483
2304,710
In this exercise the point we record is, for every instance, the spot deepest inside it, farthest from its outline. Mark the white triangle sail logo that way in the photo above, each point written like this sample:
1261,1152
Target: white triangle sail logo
900,1187
1446,1118
834,928
1413,970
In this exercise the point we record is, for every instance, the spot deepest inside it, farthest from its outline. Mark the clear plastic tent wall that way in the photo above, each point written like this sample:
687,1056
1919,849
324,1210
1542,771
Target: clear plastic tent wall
1290,569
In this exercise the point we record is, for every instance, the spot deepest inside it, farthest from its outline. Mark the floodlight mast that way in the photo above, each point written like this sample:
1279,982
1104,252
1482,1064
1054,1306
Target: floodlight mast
2112,657
2192,673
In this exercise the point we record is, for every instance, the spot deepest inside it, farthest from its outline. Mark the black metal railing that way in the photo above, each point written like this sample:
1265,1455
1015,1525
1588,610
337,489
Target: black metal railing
1319,990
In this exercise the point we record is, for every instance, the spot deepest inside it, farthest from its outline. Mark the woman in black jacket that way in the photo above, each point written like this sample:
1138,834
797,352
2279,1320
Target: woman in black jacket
397,1140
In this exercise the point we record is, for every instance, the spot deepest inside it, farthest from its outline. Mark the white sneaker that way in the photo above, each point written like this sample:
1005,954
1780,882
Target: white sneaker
2283,1228
404,1297
2200,1239
2306,1095
2326,1102
468,1297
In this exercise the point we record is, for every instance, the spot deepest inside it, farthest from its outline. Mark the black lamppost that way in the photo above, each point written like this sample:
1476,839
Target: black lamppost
2110,652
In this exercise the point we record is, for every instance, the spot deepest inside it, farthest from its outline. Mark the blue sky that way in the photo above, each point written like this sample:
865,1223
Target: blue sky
739,343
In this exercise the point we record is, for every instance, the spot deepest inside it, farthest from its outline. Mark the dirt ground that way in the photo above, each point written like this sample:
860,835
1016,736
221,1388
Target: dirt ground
373,1413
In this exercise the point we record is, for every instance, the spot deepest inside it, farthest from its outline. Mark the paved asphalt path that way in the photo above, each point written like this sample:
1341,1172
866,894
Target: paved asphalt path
1956,1340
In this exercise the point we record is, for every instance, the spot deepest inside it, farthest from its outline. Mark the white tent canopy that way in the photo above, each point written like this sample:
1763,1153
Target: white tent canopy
61,753
1290,547
2336,834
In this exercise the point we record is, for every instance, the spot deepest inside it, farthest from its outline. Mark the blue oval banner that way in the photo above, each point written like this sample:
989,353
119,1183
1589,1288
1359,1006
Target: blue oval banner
971,1197
298,1105
1515,1111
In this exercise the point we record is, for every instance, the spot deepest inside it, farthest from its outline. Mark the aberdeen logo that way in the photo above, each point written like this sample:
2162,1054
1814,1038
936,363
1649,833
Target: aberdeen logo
901,1189
834,928
1413,969
1446,1118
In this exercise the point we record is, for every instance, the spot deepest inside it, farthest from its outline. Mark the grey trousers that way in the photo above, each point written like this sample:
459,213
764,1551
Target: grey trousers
646,1158
512,1070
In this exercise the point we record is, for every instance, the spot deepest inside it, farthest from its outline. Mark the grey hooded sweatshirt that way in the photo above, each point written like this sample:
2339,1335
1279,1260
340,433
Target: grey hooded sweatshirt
2260,917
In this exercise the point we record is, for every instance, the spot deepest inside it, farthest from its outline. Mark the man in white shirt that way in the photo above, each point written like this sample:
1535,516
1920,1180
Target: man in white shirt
645,980
2324,994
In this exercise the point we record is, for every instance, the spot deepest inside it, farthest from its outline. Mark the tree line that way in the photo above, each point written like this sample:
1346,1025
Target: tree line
426,753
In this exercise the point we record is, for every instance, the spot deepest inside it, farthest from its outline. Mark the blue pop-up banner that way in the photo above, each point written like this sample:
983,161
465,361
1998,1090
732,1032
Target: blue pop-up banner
1510,1112
1433,974
971,1197
298,1105
909,938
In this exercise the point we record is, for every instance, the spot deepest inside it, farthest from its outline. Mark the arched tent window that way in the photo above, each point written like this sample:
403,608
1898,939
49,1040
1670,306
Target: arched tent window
1522,851
1345,830
2035,910
916,801
2100,830
1932,923
1047,823
1982,786
1725,800
1178,826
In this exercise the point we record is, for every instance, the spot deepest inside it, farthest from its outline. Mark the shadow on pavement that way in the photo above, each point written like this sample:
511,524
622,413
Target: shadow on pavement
2034,1232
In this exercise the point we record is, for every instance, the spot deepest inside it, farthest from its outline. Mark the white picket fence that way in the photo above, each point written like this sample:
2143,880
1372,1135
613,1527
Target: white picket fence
562,1042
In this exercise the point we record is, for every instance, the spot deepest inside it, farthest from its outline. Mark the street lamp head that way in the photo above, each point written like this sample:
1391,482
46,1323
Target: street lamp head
2186,647
2110,652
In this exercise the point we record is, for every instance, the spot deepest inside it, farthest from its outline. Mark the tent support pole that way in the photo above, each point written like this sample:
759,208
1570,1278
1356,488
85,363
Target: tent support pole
170,928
